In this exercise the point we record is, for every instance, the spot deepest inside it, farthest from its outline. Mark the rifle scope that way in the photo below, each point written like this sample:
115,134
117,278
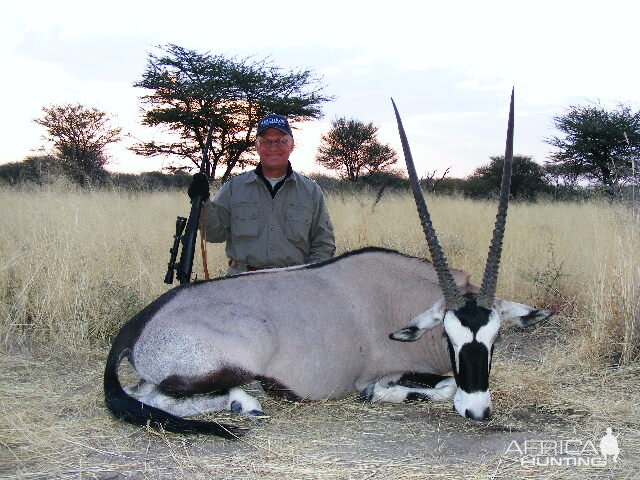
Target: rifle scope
181,222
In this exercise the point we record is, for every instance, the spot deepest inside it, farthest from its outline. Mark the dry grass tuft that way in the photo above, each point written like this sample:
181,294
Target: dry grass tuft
78,264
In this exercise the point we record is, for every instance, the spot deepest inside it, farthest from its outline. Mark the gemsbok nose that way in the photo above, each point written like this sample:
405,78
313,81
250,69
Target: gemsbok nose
474,416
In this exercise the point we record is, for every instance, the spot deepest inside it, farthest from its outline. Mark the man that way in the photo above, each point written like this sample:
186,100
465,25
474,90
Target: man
272,216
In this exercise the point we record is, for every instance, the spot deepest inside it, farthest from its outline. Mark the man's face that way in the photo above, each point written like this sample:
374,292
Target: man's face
274,148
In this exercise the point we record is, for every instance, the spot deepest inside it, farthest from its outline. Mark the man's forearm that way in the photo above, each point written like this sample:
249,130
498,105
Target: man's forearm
213,224
323,245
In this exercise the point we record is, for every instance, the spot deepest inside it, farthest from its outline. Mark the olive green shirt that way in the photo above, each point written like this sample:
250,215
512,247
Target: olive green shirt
290,228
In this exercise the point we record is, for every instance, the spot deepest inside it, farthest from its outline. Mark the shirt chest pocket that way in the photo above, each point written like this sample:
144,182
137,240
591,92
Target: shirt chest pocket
298,223
244,220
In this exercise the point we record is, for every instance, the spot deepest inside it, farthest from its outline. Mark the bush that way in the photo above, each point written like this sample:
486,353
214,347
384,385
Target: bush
36,169
44,169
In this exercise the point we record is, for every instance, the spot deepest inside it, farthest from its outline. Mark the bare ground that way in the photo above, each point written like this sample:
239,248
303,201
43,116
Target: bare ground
53,424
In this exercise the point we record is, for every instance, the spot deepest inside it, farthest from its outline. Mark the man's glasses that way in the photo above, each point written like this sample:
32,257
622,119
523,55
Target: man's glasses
277,143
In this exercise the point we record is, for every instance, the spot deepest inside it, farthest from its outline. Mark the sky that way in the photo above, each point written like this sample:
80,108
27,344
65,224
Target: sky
449,66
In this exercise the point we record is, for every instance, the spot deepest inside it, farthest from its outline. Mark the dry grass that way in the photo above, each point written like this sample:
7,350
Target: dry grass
77,264
54,425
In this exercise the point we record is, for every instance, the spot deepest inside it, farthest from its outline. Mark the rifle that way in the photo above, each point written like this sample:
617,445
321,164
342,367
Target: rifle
188,239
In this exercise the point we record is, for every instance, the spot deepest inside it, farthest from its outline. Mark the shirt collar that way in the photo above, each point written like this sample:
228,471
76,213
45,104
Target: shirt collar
258,171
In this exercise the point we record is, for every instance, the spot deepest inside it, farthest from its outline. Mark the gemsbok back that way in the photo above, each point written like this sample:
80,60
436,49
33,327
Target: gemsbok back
319,331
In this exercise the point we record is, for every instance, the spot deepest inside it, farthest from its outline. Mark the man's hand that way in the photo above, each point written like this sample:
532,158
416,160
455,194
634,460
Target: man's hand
199,186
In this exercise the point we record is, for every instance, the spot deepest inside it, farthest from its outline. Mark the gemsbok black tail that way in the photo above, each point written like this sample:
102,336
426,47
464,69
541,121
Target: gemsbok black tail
131,410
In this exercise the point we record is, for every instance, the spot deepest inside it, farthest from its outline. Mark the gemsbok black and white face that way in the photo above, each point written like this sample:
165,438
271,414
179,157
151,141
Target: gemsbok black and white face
470,332
471,321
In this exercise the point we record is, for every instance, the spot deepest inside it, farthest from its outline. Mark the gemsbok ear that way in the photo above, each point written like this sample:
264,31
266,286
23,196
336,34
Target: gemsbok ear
420,324
521,315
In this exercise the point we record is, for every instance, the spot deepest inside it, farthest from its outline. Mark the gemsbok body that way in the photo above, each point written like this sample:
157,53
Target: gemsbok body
319,331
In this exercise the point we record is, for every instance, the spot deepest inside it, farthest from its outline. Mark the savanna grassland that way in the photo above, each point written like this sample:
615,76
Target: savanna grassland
77,264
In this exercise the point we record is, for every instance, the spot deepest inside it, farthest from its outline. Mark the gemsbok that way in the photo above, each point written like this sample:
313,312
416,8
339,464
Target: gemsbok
319,331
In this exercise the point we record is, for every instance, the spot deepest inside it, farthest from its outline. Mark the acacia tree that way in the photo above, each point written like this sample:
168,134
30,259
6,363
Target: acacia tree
599,145
79,136
351,147
527,178
213,103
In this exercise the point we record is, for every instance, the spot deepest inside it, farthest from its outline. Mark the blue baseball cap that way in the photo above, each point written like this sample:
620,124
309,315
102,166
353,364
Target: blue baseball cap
274,121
